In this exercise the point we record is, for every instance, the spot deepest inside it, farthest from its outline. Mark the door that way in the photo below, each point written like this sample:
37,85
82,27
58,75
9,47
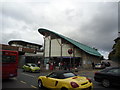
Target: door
114,75
50,80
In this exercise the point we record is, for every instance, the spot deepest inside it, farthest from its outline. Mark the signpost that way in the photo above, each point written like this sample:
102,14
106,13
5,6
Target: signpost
70,51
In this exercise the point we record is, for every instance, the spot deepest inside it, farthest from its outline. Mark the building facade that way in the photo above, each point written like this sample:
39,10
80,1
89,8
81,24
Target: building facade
28,52
56,49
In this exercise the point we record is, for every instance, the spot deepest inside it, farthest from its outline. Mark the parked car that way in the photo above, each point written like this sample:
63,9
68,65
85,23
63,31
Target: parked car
107,64
64,80
99,66
109,76
31,67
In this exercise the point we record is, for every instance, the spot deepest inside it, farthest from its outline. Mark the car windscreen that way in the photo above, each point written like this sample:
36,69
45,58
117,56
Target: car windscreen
98,64
33,65
67,75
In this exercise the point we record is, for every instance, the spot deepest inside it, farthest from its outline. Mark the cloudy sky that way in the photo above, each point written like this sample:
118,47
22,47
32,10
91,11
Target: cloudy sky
92,23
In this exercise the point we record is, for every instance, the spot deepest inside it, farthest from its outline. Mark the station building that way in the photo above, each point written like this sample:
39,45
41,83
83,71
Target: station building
56,47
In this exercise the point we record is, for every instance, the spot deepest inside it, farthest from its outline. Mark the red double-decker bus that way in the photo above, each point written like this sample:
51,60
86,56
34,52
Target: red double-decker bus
9,63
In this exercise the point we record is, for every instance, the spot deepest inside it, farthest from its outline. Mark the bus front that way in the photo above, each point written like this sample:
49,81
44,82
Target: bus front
9,64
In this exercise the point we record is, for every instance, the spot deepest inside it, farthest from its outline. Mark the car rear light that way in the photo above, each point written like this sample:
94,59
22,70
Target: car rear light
95,72
74,85
89,80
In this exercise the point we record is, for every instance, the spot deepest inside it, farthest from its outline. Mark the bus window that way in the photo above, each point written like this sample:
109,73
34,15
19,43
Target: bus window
8,59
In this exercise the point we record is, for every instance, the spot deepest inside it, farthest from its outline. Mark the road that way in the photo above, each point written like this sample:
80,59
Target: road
28,80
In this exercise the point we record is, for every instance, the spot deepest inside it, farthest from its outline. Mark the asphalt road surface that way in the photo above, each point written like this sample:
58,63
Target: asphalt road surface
26,80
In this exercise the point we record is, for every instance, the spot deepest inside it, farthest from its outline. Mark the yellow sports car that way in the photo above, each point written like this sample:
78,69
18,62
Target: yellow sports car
64,80
31,67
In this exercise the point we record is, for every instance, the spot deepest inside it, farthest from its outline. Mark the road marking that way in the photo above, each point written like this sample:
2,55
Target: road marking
33,86
23,82
28,75
15,78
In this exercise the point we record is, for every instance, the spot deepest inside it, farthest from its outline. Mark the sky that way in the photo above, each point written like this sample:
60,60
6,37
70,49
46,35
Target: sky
93,23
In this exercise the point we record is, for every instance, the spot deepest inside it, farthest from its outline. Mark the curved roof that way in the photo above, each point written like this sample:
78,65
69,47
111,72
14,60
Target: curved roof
85,48
23,42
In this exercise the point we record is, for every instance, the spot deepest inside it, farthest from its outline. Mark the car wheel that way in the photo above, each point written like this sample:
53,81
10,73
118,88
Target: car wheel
40,85
63,88
23,70
30,70
106,83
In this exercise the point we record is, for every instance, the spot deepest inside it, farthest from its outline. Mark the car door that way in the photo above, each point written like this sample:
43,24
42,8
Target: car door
51,80
27,67
114,75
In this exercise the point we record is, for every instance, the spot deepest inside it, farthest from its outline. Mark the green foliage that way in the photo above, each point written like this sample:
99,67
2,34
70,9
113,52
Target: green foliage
117,48
115,53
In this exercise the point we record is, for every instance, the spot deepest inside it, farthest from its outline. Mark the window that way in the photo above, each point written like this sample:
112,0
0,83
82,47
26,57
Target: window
114,71
52,75
8,59
33,65
67,75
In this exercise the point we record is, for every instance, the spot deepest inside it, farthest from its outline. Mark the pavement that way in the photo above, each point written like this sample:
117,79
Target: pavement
78,71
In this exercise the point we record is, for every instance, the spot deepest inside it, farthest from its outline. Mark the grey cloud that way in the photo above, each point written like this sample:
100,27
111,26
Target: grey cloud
102,28
18,11
6,37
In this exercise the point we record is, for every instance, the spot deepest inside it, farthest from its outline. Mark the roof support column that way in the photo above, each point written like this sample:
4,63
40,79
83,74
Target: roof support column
61,52
73,56
44,50
50,48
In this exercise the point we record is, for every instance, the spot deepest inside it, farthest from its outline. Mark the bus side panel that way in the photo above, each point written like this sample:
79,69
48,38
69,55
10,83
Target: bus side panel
9,70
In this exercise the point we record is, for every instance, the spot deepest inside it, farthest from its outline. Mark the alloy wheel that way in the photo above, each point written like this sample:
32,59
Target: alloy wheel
106,83
40,84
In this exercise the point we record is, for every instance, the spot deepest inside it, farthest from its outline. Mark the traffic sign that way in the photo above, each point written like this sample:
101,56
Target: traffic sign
70,51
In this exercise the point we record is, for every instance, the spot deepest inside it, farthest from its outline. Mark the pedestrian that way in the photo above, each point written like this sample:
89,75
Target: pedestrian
47,66
59,64
68,66
38,63
93,65
65,66
54,65
51,66
62,65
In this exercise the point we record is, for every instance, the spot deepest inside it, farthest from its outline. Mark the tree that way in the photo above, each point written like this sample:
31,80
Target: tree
115,53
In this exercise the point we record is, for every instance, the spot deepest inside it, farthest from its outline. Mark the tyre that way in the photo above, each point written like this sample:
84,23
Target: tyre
106,83
30,71
40,85
63,88
23,70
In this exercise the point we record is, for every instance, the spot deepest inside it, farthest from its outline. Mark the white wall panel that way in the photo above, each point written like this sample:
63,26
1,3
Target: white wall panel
55,47
47,42
78,52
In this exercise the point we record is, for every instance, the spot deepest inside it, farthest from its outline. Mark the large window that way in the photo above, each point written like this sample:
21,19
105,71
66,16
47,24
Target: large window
8,59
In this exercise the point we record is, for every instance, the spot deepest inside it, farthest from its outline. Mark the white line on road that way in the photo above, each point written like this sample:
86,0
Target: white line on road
33,86
28,75
15,78
23,82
